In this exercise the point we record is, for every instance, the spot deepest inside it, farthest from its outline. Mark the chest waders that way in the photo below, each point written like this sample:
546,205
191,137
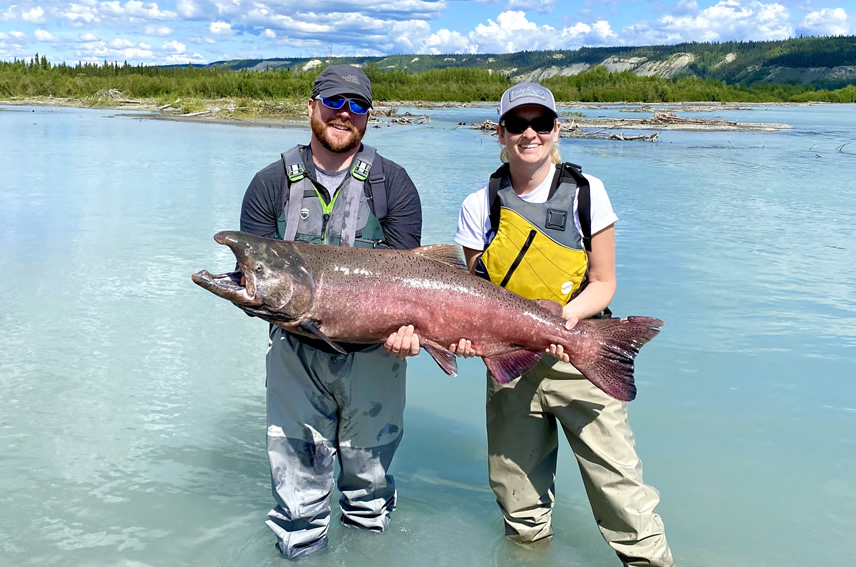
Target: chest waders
534,249
344,218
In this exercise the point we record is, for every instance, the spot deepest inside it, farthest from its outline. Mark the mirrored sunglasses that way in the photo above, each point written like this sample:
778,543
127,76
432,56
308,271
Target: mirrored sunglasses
540,124
355,105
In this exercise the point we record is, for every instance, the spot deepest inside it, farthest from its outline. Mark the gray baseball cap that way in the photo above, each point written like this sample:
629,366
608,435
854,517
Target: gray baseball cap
343,80
526,93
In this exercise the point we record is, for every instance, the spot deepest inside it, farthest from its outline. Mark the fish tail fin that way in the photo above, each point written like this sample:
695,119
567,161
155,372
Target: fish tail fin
610,367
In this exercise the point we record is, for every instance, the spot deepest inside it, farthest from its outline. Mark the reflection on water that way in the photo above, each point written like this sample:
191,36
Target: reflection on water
132,403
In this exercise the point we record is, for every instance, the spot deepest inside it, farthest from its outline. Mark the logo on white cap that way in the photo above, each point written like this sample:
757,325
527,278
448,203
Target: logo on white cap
525,91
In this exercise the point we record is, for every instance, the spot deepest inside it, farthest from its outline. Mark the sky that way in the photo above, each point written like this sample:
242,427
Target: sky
204,31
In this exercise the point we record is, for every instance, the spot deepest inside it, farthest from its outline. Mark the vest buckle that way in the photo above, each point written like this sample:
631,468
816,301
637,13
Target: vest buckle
295,172
360,170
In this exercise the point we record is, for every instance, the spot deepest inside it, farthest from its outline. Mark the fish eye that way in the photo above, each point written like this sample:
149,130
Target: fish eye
259,268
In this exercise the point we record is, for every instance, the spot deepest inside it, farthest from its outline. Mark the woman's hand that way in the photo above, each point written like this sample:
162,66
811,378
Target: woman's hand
463,348
558,350
403,343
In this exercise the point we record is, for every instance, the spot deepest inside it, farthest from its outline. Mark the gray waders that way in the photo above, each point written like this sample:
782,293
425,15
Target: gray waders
322,407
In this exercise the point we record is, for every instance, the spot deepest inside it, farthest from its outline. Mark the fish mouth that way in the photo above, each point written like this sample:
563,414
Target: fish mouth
239,286
229,286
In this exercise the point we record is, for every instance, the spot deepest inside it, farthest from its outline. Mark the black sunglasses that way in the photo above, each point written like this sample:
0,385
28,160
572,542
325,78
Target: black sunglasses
518,125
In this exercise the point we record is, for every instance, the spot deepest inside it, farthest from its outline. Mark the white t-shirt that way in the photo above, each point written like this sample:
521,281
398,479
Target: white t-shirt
474,220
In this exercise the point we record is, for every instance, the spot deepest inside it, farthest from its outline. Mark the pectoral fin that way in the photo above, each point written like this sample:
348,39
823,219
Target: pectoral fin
507,366
553,307
442,356
314,328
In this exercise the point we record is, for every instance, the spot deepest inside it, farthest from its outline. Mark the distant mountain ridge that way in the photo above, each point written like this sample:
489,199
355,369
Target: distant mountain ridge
825,62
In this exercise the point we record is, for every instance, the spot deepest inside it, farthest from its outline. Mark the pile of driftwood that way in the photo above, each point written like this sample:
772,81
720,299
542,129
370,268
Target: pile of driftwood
405,119
687,107
384,111
408,118
115,96
573,130
664,118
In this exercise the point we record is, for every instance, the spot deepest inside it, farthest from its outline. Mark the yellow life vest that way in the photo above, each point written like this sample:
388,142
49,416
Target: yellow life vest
536,250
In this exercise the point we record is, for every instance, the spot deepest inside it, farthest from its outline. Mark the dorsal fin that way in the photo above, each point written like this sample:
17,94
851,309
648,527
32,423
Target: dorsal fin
446,253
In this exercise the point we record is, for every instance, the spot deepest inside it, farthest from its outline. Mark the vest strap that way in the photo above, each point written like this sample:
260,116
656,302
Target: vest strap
575,172
298,183
354,193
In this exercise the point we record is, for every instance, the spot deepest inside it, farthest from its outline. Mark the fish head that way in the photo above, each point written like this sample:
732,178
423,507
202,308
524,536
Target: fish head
270,281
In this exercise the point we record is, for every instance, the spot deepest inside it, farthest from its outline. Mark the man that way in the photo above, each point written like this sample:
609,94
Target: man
321,404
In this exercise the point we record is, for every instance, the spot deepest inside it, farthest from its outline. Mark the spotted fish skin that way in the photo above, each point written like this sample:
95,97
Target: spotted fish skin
356,295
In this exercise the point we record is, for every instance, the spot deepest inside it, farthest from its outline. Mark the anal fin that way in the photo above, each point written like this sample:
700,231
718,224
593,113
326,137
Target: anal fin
442,356
507,366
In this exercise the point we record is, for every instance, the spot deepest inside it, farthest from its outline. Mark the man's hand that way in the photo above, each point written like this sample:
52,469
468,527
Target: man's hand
403,343
463,348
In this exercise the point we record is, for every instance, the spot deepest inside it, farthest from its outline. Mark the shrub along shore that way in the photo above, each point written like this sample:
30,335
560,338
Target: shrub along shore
192,90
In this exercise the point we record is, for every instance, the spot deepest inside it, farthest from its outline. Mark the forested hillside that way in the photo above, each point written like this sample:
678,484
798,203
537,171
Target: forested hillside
824,63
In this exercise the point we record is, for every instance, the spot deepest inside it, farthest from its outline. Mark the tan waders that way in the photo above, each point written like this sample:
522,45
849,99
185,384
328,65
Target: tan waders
522,437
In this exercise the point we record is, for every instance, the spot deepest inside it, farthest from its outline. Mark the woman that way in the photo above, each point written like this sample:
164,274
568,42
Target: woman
546,231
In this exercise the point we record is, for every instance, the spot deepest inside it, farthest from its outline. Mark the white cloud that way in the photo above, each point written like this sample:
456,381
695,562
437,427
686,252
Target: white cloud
220,28
120,43
599,33
174,47
445,41
749,20
12,36
42,35
120,49
829,21
227,7
184,59
543,6
34,16
157,30
135,9
79,13
188,9
310,28
9,14
400,10
513,32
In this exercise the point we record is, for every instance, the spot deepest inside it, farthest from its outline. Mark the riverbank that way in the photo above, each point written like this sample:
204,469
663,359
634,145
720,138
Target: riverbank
287,114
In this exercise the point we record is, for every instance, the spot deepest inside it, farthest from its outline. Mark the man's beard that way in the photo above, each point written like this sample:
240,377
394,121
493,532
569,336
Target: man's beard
319,128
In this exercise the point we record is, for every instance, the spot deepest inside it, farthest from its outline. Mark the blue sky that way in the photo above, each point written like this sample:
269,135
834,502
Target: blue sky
202,31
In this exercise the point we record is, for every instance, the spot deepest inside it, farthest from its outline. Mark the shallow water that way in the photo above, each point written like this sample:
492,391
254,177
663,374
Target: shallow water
132,402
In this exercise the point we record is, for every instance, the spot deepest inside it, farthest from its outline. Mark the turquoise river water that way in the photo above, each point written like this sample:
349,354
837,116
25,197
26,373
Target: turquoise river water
132,402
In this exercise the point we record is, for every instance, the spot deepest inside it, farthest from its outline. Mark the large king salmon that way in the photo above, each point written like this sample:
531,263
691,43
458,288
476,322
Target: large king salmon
358,295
